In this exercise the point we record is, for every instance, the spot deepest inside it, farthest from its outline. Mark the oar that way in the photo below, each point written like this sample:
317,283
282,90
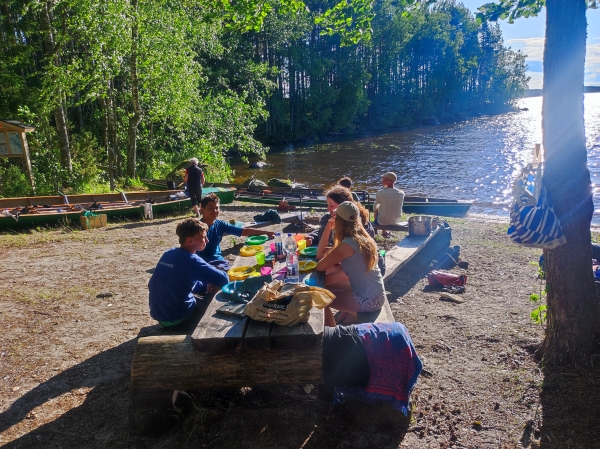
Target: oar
64,196
123,196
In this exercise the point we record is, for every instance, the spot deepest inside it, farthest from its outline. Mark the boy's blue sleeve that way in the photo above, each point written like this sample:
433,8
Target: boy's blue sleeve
227,228
207,274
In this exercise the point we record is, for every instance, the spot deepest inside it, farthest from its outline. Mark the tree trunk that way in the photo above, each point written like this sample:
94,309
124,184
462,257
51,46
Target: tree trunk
136,118
572,299
60,114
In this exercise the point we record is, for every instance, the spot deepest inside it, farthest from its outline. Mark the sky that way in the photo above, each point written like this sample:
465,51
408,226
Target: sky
527,35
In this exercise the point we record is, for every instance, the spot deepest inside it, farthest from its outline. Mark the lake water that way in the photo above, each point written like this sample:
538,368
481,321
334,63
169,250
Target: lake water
476,160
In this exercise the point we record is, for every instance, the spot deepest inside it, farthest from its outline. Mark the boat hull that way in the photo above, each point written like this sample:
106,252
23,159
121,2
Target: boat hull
113,205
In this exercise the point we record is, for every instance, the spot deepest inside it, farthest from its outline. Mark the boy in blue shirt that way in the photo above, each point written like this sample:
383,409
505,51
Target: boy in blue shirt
210,210
178,275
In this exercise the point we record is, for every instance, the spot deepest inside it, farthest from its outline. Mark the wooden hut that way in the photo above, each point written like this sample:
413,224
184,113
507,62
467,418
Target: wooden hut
13,143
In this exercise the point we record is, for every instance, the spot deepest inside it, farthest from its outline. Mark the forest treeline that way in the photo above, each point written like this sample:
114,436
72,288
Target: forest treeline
125,89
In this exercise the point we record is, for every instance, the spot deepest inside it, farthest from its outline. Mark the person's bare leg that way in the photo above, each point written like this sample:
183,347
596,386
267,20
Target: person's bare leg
334,276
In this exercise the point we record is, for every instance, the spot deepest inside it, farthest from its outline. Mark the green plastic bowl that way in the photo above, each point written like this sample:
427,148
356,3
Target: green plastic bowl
311,251
256,239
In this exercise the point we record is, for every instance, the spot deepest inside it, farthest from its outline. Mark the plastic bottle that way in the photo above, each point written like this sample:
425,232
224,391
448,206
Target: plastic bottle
278,245
291,260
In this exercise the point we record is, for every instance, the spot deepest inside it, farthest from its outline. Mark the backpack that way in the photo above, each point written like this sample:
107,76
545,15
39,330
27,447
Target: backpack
533,222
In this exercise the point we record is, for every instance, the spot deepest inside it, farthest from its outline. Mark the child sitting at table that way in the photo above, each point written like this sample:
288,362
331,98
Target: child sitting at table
178,275
209,208
356,251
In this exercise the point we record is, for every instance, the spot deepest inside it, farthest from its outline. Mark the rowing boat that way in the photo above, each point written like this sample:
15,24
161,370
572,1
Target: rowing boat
314,198
51,210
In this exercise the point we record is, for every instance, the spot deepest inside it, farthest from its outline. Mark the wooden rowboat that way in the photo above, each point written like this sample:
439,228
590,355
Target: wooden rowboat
51,210
314,198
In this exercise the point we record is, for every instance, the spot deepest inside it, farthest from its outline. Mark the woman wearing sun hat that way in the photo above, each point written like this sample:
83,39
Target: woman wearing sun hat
356,252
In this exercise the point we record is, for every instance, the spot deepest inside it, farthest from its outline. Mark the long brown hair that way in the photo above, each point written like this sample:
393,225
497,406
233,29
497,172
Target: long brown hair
340,194
354,229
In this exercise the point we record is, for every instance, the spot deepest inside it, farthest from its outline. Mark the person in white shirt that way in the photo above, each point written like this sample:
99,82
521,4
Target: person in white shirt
388,202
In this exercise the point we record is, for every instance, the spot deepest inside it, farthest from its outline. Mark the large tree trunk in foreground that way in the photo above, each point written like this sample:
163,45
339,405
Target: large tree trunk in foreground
572,299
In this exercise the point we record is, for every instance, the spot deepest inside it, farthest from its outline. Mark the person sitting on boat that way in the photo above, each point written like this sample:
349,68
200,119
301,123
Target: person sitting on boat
356,252
194,180
346,182
336,196
210,210
388,202
179,274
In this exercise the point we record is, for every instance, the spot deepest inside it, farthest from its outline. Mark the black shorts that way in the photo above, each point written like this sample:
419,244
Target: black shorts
195,196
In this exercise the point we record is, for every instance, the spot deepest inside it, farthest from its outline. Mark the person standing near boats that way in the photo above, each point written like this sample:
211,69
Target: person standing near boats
358,286
194,180
388,202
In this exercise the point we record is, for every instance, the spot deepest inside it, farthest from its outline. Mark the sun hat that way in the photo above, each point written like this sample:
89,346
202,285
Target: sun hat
348,211
391,176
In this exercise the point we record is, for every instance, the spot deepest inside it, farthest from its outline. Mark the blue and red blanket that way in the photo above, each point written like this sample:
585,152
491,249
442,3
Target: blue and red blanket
393,363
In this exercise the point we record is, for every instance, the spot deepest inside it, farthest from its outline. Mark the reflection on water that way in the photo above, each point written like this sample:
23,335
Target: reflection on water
473,160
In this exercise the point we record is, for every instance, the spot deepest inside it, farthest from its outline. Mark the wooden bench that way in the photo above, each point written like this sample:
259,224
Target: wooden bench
230,351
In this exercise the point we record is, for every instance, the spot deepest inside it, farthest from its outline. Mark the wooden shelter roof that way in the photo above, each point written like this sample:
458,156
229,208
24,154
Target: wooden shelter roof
15,125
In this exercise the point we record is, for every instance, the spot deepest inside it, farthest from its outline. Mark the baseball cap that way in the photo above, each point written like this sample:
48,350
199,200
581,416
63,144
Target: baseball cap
348,211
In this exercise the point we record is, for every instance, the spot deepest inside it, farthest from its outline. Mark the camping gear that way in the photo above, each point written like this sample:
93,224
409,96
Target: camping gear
286,304
533,222
440,278
419,225
270,215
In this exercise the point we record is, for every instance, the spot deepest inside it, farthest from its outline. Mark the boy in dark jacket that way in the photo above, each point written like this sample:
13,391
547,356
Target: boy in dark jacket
179,274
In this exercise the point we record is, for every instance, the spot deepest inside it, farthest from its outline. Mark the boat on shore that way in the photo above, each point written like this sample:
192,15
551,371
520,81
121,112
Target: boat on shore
51,210
313,198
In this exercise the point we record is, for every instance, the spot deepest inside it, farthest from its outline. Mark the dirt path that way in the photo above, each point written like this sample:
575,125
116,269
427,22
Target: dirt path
65,352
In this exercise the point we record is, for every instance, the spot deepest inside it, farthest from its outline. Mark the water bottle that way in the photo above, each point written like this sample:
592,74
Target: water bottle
291,260
278,245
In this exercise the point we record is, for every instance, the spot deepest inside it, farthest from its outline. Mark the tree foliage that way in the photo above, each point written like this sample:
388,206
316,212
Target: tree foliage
152,83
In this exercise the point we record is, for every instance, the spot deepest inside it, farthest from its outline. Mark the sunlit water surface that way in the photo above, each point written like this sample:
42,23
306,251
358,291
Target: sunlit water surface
476,160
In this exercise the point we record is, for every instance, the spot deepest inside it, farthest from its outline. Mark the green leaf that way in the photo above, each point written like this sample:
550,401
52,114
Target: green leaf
538,315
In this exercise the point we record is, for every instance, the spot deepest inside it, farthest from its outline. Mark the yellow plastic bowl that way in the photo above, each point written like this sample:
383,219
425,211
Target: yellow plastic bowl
307,265
240,273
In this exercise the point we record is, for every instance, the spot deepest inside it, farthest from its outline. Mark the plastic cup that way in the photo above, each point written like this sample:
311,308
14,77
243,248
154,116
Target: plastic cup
265,271
260,258
299,237
301,244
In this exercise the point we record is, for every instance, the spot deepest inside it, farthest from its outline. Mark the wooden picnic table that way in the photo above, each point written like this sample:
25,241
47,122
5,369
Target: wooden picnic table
227,351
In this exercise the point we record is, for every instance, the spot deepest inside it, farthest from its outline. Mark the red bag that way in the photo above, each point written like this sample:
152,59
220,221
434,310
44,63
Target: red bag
440,278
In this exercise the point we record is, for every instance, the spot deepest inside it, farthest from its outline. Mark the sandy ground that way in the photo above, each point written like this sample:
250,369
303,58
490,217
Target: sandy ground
73,303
